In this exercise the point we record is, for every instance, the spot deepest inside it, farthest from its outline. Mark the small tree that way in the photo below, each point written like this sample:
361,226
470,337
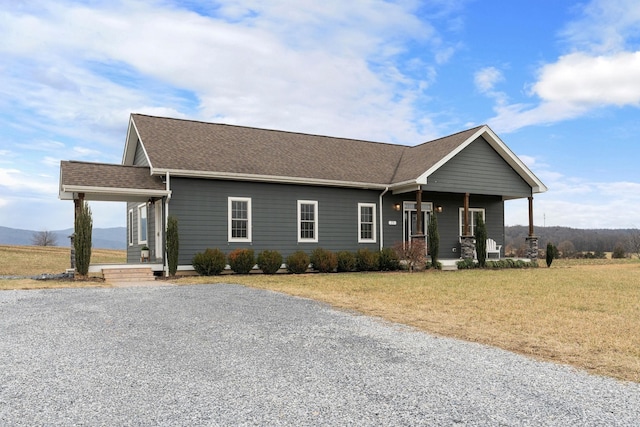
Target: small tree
413,253
481,241
619,252
433,239
173,245
44,238
552,252
82,241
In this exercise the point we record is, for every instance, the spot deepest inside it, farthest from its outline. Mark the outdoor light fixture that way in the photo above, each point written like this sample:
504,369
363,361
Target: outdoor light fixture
439,209
396,207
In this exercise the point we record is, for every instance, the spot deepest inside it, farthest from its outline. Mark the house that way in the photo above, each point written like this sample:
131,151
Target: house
241,187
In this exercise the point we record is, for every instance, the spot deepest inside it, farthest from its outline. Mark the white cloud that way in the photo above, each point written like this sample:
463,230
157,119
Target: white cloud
601,71
605,26
16,181
247,70
486,78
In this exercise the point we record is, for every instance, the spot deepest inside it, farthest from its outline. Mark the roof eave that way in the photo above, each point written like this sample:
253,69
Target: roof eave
69,192
268,178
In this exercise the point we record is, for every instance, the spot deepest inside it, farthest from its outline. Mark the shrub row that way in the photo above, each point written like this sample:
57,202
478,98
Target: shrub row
213,261
466,264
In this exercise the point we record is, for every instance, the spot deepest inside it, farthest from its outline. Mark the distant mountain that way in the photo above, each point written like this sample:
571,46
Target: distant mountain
103,238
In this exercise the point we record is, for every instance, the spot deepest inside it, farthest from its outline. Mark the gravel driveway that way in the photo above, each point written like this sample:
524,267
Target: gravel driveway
230,355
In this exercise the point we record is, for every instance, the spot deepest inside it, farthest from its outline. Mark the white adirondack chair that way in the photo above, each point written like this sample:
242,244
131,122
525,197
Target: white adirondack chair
492,248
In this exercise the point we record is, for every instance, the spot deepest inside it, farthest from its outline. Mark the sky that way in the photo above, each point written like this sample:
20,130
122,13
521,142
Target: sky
558,81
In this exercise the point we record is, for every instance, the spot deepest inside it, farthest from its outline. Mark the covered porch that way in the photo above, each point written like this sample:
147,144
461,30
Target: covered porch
139,190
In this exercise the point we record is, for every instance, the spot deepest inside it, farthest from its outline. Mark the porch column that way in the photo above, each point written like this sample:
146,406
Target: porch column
532,240
419,230
467,245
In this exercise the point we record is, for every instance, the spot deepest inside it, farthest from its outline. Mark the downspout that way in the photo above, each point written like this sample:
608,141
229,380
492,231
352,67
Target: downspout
381,220
166,221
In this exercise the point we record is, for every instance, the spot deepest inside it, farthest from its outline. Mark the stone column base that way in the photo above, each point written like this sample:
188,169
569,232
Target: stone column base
467,247
532,248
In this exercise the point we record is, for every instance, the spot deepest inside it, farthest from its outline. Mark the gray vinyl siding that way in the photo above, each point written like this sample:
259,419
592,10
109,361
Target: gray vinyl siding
140,159
133,252
478,169
202,211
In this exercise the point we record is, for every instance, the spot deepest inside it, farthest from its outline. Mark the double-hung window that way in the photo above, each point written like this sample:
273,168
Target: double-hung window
239,216
472,219
307,221
366,222
142,224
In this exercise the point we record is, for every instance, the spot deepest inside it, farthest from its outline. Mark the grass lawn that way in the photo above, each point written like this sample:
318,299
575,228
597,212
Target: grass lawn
575,313
584,313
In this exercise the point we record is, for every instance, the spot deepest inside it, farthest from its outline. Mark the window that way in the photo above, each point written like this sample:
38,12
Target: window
307,221
472,219
130,227
142,224
239,219
366,222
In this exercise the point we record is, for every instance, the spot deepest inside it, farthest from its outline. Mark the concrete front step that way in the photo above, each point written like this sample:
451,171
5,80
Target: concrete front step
127,274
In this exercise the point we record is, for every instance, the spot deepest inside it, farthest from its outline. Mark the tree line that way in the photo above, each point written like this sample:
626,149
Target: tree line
573,241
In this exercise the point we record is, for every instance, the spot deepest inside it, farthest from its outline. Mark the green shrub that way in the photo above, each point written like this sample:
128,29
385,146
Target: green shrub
210,262
82,238
388,260
173,245
269,261
241,261
366,260
324,261
433,239
618,252
481,240
346,261
466,264
436,266
552,253
298,262
509,263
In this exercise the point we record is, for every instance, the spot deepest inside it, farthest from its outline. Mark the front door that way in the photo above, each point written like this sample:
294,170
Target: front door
158,230
411,224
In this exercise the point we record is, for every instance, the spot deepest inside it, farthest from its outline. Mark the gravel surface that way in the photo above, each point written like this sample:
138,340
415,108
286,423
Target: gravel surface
230,355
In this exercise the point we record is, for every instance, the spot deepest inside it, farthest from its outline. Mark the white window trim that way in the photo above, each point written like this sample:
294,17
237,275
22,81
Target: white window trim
373,239
472,212
315,222
230,238
130,227
141,240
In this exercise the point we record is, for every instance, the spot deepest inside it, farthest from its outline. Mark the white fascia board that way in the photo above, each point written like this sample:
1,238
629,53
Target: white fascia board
133,135
451,155
110,191
501,148
405,187
268,178
509,156
129,145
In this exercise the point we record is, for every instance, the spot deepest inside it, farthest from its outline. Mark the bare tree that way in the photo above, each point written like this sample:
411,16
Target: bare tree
634,242
44,238
413,253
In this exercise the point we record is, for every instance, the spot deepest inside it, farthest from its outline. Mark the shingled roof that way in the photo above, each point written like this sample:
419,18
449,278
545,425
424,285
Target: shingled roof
210,150
108,181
